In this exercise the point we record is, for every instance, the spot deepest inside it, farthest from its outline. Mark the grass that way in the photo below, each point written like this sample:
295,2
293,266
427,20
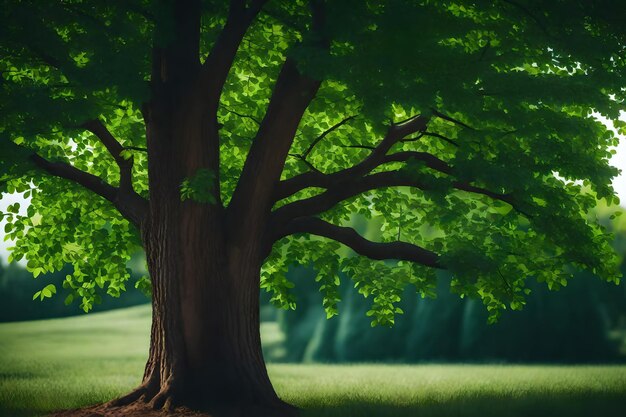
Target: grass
66,363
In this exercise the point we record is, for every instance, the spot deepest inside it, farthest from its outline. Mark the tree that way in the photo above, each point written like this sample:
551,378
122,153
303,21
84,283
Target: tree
230,138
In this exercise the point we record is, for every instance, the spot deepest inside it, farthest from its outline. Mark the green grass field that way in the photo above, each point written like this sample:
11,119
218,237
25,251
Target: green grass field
66,363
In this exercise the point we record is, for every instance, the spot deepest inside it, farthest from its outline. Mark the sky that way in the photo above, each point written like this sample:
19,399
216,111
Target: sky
619,183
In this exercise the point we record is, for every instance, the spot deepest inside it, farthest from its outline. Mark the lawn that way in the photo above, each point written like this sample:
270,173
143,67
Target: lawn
66,363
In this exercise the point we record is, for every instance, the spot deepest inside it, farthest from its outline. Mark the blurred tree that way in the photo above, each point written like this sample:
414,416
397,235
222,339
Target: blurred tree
576,325
220,136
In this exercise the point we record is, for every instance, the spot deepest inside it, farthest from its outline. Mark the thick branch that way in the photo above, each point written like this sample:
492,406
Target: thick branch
217,65
67,171
292,94
102,133
132,206
395,133
265,162
338,192
349,237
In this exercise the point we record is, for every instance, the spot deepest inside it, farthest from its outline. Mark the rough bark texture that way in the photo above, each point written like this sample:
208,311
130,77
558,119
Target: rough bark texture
205,348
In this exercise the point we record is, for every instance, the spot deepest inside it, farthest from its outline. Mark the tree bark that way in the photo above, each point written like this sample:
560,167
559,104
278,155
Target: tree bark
205,350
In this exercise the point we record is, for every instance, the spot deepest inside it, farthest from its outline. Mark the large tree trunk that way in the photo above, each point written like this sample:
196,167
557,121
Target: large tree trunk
205,348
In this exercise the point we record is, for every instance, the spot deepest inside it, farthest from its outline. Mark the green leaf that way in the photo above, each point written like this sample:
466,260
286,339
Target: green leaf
69,299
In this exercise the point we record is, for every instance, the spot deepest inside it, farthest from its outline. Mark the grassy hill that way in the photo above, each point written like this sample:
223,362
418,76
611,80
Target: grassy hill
55,364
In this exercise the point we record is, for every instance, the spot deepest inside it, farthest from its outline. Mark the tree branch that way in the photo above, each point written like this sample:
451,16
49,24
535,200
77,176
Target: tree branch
243,116
529,14
217,65
371,148
293,92
506,198
115,149
394,134
428,159
136,148
305,162
450,119
336,192
326,133
67,171
132,206
340,191
442,137
349,237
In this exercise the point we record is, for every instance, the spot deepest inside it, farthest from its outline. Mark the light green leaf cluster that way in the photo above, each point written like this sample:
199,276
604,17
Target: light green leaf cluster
47,292
65,224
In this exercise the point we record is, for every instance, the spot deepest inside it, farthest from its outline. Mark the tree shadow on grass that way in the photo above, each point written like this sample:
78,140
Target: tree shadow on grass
581,405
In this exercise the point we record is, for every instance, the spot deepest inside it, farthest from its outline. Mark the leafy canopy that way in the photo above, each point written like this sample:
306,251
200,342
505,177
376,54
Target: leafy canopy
499,185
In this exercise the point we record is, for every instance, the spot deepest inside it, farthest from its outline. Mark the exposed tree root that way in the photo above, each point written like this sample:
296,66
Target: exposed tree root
136,409
142,409
163,400
143,402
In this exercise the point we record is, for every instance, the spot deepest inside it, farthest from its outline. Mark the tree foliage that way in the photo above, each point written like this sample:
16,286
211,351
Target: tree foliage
464,128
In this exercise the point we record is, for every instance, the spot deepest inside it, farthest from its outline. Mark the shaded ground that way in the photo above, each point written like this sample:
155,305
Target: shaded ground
70,363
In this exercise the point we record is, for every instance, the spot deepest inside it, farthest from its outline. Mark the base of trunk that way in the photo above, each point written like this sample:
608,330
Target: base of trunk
142,406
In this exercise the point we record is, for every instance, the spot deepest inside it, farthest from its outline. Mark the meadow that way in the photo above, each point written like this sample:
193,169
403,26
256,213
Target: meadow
66,363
